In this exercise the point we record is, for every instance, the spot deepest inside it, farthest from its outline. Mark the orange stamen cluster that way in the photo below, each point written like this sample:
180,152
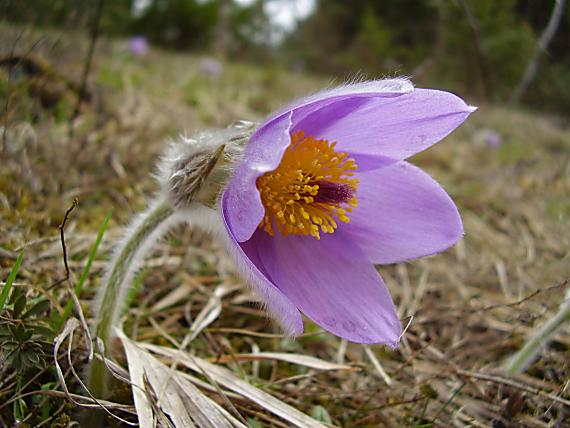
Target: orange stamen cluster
309,190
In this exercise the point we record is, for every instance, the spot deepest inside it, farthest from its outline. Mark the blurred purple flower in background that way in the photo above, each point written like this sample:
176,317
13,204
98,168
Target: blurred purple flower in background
493,139
138,45
324,191
211,67
488,137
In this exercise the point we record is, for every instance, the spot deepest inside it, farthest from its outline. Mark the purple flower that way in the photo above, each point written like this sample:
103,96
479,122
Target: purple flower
323,192
493,139
138,45
211,67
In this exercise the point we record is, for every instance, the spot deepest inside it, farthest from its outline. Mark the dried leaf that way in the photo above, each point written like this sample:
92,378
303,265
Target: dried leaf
377,365
181,400
136,372
176,295
210,312
229,380
302,360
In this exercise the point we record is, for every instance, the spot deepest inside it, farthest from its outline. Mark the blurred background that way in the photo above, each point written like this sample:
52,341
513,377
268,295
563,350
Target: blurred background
479,48
92,90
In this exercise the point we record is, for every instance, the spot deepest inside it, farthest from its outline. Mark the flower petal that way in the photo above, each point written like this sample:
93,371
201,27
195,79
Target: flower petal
266,146
277,304
396,127
366,162
263,152
402,214
377,88
331,281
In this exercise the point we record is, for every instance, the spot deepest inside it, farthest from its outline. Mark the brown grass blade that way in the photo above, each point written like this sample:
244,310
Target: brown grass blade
229,380
302,360
186,405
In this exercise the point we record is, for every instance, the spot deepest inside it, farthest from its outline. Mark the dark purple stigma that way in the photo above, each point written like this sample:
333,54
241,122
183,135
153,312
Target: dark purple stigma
333,193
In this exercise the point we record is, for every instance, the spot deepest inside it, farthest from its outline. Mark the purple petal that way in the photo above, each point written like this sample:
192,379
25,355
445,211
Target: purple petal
402,214
331,281
396,127
383,88
277,304
366,162
264,150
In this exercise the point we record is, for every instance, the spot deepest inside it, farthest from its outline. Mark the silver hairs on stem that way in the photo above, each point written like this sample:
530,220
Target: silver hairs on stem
191,174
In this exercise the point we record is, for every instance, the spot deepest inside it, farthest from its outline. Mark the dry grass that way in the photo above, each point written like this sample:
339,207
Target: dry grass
472,306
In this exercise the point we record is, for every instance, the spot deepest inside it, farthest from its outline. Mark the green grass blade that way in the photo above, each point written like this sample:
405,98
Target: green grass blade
10,280
85,273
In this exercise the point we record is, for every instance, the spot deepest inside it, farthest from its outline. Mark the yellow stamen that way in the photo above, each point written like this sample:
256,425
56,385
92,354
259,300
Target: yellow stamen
311,187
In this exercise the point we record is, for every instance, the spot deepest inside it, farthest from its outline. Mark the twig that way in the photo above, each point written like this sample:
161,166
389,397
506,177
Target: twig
87,68
543,43
524,299
512,383
387,405
448,401
67,275
462,313
62,236
525,356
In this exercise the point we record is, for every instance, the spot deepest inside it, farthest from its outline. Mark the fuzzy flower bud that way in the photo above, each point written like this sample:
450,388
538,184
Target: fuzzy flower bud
195,169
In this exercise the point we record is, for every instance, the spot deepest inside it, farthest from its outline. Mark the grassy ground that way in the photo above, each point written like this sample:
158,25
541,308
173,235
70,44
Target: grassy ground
472,306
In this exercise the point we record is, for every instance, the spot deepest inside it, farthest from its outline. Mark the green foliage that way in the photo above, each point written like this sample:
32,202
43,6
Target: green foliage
178,24
116,17
551,89
43,12
372,42
26,346
69,13
474,47
25,336
254,423
321,414
490,52
368,35
10,280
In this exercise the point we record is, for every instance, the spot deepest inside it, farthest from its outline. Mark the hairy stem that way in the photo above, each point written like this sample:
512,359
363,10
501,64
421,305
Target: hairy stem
146,230
520,361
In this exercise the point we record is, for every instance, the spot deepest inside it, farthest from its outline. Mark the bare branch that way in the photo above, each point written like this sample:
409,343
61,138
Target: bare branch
543,43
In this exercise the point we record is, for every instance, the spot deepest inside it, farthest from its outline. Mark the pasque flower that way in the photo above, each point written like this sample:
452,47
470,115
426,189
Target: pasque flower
138,45
323,192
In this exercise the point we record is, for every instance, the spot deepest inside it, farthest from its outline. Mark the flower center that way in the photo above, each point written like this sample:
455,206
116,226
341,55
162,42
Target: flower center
309,190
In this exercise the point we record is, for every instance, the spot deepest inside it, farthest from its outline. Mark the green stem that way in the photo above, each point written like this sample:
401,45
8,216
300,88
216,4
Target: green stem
144,232
520,361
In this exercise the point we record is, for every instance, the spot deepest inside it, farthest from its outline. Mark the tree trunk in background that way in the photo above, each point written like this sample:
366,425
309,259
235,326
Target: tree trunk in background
420,72
545,39
481,60
224,37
